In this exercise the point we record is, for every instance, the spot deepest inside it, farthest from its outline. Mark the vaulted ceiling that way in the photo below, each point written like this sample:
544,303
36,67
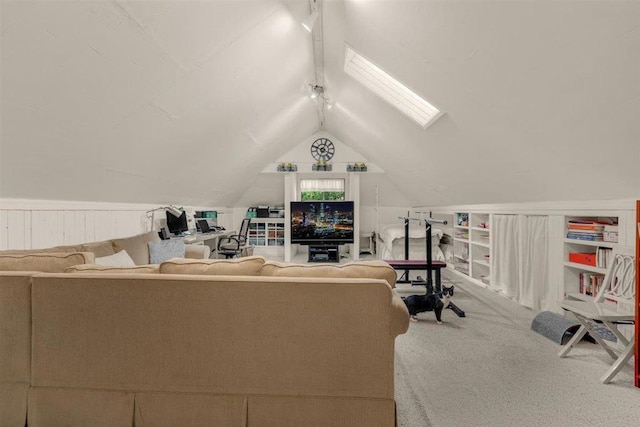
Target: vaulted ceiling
188,101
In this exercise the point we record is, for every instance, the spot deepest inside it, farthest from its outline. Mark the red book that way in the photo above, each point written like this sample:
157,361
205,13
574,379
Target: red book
590,227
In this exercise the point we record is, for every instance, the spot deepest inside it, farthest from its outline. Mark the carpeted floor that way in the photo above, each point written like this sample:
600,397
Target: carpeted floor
490,369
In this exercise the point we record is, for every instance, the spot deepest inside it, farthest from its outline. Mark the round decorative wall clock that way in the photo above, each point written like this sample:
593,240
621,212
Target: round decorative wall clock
322,149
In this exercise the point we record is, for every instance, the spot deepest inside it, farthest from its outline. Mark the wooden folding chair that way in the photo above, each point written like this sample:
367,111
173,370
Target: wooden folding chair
614,304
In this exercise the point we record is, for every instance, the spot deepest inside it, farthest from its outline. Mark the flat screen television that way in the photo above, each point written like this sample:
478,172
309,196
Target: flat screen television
177,224
317,223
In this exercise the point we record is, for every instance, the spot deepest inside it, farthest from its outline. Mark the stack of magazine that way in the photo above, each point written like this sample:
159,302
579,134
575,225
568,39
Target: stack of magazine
585,230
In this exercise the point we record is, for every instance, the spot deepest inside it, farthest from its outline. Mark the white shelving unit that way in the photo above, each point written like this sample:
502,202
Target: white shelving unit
480,240
472,246
577,277
461,242
266,235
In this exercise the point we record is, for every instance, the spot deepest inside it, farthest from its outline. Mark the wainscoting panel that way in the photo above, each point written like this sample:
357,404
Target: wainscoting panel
29,224
4,227
47,229
73,227
16,221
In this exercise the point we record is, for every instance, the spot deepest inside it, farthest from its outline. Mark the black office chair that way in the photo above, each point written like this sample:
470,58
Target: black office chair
234,245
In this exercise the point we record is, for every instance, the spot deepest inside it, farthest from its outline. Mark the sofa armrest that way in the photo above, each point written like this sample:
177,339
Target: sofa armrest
197,251
399,317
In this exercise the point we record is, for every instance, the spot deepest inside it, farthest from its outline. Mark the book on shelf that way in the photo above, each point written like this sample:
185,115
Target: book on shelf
590,283
593,230
592,236
586,227
586,232
598,221
603,256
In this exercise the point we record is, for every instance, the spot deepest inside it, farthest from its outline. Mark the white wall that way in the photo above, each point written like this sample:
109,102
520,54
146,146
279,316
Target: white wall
32,224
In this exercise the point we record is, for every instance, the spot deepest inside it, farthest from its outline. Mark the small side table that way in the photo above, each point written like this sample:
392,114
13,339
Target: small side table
366,243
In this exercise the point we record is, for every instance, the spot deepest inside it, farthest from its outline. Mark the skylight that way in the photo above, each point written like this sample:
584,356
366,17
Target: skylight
388,88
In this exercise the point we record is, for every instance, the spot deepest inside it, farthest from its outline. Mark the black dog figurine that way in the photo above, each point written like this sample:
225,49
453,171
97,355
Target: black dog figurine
432,302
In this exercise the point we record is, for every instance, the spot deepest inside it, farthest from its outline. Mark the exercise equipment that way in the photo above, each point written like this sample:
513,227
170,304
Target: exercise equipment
429,265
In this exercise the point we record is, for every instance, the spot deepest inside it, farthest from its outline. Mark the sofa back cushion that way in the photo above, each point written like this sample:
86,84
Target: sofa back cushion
246,266
99,249
93,268
354,270
44,262
57,250
136,246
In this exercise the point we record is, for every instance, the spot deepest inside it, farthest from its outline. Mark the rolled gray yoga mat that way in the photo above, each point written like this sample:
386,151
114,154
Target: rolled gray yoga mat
554,326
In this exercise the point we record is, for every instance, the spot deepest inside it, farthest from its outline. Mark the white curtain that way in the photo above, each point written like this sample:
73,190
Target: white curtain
519,262
534,280
327,184
504,259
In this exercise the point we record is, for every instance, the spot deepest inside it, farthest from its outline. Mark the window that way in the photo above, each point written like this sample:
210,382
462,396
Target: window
321,189
388,88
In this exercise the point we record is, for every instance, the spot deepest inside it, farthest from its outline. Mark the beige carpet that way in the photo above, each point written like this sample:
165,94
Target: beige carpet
490,369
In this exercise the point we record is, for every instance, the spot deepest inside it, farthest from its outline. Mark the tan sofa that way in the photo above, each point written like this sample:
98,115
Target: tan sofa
237,342
136,246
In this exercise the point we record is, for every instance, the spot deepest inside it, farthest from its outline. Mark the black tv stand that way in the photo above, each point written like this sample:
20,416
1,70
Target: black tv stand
324,253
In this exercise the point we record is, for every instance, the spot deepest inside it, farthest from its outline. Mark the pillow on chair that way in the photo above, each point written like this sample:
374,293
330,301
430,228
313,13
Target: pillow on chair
164,250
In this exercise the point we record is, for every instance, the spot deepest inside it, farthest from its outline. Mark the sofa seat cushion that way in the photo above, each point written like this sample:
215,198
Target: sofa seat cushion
94,268
246,266
136,246
355,270
44,262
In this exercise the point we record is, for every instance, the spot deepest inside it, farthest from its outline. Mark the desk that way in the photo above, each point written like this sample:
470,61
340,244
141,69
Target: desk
209,239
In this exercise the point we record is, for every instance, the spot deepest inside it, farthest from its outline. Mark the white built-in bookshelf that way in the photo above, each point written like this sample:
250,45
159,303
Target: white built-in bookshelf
472,246
588,244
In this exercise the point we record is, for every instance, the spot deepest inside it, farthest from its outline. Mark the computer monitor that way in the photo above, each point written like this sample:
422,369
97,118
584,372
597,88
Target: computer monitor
203,225
177,224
